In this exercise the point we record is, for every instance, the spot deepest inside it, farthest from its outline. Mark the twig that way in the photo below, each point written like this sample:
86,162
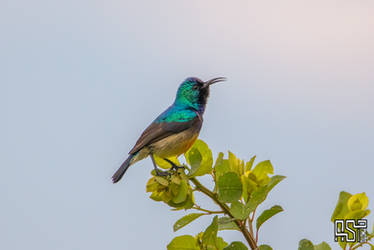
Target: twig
370,236
206,210
251,241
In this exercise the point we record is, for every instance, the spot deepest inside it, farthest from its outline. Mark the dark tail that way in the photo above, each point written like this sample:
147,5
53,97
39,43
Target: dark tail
121,171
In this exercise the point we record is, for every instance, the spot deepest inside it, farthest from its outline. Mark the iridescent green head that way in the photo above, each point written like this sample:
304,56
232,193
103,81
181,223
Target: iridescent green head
194,92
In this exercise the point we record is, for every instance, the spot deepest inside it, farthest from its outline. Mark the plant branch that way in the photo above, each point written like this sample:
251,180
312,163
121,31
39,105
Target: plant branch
370,236
253,214
250,224
251,241
250,228
206,210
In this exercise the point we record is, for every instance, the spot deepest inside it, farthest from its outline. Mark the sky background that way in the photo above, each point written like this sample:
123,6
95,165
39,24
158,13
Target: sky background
80,80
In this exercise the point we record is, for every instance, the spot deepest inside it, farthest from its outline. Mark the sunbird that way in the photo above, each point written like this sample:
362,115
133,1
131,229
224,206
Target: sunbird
175,130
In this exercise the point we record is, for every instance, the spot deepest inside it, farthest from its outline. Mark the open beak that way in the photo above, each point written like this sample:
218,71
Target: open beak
214,80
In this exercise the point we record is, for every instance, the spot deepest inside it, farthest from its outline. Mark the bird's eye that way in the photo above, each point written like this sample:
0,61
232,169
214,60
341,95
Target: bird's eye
195,87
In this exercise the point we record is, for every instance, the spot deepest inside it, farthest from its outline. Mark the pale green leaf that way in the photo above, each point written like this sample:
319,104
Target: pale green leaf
200,158
152,185
235,164
221,244
185,220
226,223
221,166
260,194
186,204
305,245
236,245
249,164
210,235
265,247
262,170
245,192
341,208
257,197
239,211
267,214
165,164
184,242
358,202
229,187
182,194
322,246
358,214
274,181
163,181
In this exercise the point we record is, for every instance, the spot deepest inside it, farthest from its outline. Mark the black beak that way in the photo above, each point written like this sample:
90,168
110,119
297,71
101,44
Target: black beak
214,80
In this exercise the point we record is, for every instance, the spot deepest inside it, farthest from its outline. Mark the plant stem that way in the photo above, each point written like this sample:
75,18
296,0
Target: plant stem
206,210
251,224
250,227
251,241
253,214
370,236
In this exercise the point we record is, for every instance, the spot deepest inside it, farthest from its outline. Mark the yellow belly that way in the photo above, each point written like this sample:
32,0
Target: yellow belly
175,145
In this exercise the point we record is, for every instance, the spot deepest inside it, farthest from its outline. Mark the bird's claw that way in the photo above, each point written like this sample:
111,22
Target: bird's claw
162,173
173,165
178,167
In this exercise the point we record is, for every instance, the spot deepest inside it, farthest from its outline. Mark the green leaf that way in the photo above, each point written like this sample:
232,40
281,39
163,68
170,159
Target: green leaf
185,220
226,223
322,246
245,192
308,245
152,185
249,164
235,164
165,164
259,195
163,181
200,158
156,196
267,214
219,159
265,247
341,208
175,179
358,214
210,235
358,202
239,211
184,242
182,194
194,158
262,170
274,181
236,245
221,244
229,187
221,166
187,204
305,245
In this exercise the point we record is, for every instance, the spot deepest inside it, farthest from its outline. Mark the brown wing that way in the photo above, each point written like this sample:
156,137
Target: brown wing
157,131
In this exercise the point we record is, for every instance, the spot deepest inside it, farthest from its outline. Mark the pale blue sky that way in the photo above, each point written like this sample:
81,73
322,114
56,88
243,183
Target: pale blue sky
80,80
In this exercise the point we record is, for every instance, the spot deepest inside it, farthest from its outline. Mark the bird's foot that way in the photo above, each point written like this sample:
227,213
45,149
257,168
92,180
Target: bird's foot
161,173
173,165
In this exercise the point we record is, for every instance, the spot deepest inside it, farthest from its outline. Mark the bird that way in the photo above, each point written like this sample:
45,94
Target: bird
175,130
